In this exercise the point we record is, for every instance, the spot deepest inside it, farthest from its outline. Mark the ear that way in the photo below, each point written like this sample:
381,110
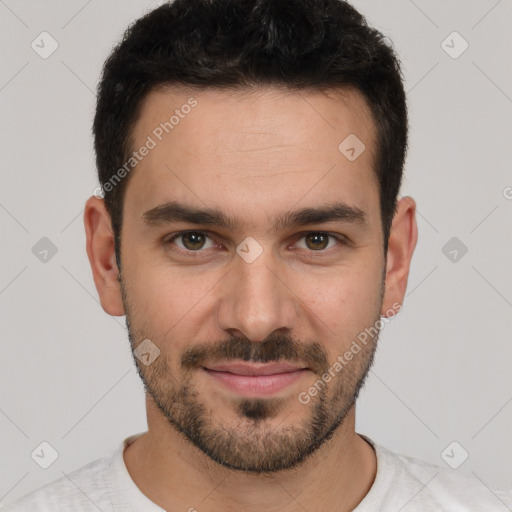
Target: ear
402,241
101,252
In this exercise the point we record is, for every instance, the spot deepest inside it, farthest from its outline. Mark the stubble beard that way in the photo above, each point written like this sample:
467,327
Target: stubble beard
259,440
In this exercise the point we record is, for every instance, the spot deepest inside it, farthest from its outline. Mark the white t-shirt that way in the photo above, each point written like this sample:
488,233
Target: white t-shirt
401,484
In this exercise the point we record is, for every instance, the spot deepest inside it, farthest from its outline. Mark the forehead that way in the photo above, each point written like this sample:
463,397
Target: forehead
253,150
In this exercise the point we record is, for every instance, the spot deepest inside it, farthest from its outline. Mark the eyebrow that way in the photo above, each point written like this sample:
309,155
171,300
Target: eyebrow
175,211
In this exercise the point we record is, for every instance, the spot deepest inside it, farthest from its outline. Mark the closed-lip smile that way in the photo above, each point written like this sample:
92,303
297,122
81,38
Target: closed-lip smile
255,379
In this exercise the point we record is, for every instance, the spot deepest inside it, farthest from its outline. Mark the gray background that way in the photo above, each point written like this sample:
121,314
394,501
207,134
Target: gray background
442,372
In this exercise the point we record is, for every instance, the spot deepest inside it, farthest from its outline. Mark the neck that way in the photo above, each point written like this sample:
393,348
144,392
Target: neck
175,475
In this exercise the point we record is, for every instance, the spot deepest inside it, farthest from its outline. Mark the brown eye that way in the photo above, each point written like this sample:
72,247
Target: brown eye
193,240
190,241
317,241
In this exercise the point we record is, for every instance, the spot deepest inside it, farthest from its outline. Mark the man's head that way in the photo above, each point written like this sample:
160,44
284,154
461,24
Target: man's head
254,220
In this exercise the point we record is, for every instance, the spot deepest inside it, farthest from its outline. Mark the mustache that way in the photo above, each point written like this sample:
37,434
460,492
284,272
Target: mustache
272,349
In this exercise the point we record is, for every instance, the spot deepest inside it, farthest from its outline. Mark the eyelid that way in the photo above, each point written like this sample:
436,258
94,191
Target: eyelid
340,239
337,236
168,240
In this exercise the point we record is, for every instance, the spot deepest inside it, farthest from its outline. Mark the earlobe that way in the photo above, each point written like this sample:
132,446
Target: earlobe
100,248
402,242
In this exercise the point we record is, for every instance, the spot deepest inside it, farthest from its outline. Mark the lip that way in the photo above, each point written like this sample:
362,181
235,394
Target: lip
255,379
256,369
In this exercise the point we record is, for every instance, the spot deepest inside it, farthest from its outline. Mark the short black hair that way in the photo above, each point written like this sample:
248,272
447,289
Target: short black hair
236,44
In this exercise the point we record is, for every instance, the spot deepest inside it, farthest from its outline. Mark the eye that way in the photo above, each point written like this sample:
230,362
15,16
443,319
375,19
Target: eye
319,241
195,243
191,241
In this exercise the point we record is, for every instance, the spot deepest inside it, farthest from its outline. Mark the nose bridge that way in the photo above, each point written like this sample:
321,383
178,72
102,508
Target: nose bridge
256,299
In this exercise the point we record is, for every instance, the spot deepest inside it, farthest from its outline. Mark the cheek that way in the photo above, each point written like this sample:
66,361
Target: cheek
173,304
342,304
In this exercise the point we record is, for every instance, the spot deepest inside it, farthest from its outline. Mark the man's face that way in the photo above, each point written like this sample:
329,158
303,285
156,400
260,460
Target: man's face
224,300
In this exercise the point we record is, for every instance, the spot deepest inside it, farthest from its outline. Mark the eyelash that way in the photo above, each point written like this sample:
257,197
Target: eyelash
200,252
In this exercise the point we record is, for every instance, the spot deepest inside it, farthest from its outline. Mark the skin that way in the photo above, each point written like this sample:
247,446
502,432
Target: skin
253,155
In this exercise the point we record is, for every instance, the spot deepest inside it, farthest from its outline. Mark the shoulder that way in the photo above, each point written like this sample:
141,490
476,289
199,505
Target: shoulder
417,485
81,490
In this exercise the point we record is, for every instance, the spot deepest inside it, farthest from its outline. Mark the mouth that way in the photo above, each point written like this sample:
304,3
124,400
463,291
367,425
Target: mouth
255,379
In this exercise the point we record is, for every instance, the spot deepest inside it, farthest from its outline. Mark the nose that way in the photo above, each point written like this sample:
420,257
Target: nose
257,299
